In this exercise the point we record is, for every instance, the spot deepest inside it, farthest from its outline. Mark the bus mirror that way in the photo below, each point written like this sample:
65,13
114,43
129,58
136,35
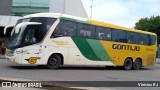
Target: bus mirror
7,27
23,25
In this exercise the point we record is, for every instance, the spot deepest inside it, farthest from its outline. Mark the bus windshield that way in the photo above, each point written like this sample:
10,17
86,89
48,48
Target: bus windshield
32,34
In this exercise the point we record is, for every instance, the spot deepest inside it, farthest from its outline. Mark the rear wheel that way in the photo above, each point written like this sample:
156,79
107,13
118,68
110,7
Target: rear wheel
54,62
128,64
137,64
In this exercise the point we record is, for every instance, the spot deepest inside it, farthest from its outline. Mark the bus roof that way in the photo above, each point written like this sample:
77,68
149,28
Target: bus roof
85,20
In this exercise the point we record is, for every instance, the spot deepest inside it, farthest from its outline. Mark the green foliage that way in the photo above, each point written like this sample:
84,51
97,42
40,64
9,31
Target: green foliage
151,24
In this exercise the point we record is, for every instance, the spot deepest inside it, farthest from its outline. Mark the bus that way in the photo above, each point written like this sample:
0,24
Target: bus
55,40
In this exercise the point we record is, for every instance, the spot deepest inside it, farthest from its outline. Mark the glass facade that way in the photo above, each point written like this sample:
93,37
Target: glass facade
25,7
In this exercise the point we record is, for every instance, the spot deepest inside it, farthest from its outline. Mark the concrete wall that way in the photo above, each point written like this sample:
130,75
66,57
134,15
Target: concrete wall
7,20
57,6
5,7
76,8
71,7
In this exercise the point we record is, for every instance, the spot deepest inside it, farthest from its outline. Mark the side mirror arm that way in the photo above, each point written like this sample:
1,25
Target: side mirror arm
9,26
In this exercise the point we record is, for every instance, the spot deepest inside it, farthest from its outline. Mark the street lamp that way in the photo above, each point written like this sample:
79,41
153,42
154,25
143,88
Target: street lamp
91,9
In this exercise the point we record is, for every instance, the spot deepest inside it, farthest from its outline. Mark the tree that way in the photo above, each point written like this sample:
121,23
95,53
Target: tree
151,24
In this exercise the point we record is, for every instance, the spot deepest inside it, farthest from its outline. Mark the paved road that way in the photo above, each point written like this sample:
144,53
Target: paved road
10,70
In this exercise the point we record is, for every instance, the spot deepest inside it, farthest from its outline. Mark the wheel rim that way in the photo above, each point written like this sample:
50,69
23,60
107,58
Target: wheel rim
137,65
53,61
128,64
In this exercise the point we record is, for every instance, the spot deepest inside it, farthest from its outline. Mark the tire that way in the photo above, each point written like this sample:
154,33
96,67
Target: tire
137,64
54,62
128,64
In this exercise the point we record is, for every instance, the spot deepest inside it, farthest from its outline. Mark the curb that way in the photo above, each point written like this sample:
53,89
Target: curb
157,60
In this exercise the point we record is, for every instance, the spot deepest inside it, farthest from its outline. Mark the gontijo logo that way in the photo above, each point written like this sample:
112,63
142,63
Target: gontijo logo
33,60
125,47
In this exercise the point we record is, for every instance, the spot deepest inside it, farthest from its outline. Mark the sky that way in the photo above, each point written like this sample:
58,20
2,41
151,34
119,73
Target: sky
122,12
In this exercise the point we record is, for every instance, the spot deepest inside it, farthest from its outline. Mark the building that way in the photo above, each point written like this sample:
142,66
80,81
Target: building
5,7
25,7
12,10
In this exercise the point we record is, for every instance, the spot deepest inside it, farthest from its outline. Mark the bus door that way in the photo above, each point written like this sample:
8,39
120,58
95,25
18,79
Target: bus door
32,52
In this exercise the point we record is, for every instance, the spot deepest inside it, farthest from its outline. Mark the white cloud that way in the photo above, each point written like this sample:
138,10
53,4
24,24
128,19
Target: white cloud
123,12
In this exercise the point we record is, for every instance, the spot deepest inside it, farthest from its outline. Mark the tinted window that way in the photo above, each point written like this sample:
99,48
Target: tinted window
143,39
59,30
69,28
153,40
48,22
32,35
132,37
37,32
103,33
122,36
86,31
118,36
65,28
115,35
136,38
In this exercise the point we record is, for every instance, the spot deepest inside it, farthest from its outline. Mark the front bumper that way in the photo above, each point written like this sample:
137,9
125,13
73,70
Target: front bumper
11,58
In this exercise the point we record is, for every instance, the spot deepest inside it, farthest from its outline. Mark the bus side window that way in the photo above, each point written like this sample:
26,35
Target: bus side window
86,30
108,34
69,28
93,30
58,32
115,35
135,38
143,39
100,33
153,39
103,33
65,28
132,37
122,36
129,37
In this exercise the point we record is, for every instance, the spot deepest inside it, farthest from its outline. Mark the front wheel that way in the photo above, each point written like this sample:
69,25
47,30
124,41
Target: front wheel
128,64
137,64
54,62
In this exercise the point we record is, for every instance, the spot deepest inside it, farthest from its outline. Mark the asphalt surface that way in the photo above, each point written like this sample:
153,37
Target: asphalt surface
10,70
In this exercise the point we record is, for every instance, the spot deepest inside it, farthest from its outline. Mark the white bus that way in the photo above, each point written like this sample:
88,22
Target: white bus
54,39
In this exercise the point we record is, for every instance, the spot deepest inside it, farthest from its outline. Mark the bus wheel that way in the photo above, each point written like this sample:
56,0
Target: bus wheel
137,64
128,64
54,62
